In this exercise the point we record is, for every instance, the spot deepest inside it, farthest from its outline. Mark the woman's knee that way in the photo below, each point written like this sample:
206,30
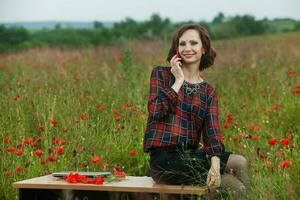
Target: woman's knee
237,162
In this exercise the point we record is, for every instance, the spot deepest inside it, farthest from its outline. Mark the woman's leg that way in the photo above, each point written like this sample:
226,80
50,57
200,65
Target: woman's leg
238,166
233,185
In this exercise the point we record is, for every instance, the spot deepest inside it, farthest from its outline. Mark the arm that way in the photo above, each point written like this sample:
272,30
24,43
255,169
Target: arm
212,139
162,100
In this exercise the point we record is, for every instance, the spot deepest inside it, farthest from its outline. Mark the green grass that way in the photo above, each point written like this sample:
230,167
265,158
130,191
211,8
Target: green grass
251,75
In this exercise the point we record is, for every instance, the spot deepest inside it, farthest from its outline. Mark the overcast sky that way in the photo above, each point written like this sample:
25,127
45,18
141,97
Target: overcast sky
140,10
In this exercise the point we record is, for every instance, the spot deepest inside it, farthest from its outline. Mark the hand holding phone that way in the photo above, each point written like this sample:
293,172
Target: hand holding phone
176,66
178,56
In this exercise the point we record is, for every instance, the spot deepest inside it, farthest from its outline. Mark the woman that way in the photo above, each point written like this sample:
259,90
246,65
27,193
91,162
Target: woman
183,108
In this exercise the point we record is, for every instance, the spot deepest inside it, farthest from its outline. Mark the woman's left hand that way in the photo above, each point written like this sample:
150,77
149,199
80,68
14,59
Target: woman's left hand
214,177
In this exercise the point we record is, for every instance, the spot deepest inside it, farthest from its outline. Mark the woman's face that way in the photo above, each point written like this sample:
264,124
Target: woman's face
190,46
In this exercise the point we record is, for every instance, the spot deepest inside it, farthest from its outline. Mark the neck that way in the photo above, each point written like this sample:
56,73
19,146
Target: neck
191,73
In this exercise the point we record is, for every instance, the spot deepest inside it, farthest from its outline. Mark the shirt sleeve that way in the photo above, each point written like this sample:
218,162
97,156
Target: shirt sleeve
212,139
162,99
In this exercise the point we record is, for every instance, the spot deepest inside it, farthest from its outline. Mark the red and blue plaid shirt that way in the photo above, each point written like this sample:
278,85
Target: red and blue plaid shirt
179,119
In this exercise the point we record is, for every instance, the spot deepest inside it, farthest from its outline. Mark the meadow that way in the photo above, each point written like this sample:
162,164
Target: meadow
86,109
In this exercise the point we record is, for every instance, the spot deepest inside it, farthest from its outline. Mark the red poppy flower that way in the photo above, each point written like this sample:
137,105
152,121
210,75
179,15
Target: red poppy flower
229,118
41,127
99,180
284,164
118,118
62,142
59,150
272,141
115,112
55,140
117,171
276,107
96,159
254,137
8,173
19,169
51,158
296,91
226,125
38,152
27,140
284,142
132,153
6,140
297,86
53,122
43,161
100,107
19,152
16,97
254,127
83,116
105,166
10,149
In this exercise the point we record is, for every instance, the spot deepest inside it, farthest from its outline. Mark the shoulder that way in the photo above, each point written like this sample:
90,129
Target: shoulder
162,71
211,91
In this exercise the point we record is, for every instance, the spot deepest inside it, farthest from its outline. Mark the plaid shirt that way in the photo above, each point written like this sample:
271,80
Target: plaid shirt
176,118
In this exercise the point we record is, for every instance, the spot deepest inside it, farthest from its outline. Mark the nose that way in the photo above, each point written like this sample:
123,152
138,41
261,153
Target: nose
187,47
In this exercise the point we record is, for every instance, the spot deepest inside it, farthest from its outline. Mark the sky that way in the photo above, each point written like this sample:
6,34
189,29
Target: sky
141,10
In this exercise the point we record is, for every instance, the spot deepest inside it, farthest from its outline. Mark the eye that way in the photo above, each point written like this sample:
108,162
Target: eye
194,43
182,43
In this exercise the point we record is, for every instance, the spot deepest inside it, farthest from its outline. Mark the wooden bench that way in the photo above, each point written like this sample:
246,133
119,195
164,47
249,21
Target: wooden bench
49,187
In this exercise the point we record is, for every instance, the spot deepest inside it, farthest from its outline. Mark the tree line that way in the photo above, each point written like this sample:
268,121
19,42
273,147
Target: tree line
221,27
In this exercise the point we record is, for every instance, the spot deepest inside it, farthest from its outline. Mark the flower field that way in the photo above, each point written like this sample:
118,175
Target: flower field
86,109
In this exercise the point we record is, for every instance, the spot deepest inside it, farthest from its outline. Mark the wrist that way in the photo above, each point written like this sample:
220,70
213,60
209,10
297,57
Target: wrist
215,162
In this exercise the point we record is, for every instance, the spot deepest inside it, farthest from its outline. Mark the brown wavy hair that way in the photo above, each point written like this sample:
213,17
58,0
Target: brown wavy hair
208,58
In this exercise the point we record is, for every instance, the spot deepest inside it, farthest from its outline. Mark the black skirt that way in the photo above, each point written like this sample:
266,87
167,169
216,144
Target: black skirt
176,166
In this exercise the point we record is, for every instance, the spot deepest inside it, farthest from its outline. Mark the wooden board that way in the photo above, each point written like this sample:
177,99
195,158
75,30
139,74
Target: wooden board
142,184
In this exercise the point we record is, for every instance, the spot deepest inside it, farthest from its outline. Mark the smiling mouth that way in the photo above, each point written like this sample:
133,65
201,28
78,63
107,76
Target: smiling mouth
188,55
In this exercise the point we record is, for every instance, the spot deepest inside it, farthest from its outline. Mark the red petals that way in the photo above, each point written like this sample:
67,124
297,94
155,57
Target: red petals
77,178
118,118
272,141
10,149
59,150
41,127
117,171
284,164
96,159
132,153
38,153
53,122
84,116
284,142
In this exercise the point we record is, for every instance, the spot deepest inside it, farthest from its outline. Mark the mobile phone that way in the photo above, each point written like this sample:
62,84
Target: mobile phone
177,53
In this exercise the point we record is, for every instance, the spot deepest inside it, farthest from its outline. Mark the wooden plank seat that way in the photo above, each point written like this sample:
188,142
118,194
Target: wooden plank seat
44,185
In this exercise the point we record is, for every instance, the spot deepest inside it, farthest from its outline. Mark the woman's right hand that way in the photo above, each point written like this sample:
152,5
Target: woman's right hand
176,68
